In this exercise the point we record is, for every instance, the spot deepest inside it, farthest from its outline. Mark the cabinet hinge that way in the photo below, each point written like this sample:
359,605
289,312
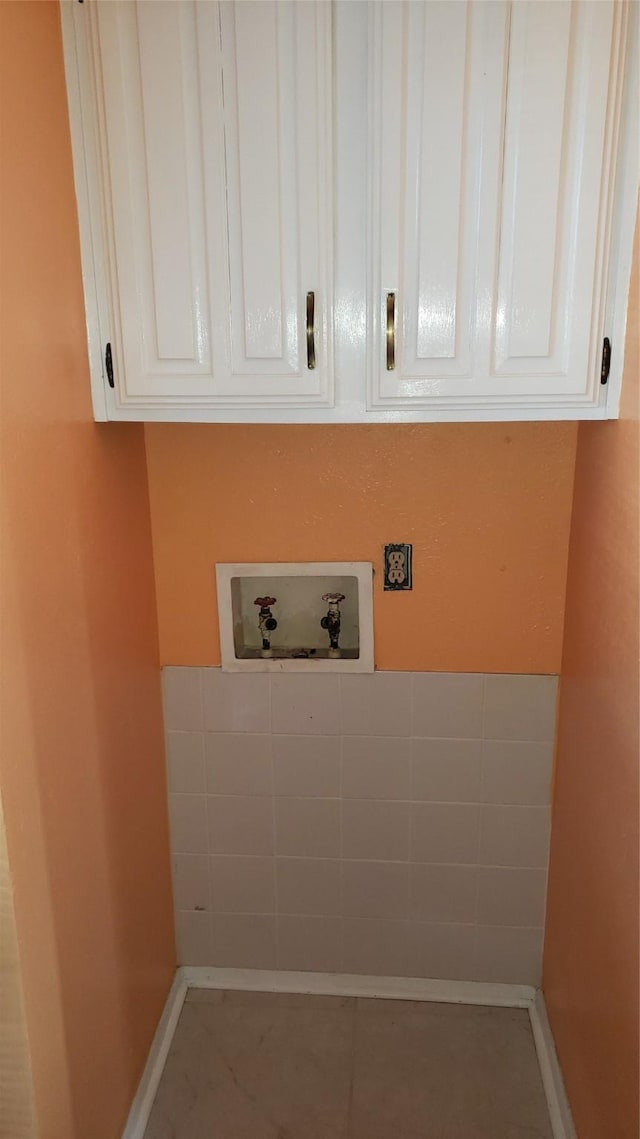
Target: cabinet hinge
605,367
108,365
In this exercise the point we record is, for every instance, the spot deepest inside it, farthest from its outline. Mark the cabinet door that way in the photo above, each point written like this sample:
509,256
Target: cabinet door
493,127
216,143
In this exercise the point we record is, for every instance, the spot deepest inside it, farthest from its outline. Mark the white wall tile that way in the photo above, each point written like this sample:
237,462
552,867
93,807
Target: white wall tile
375,889
376,767
185,762
242,884
305,705
310,943
238,763
373,828
520,707
514,771
508,896
442,951
447,704
514,836
244,941
446,771
308,827
193,937
235,702
444,833
509,956
308,885
377,947
378,704
182,688
381,817
188,823
443,893
240,824
307,766
190,881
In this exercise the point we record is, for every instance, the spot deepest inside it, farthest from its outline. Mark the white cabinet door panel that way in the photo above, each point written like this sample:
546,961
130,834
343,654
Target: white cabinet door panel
436,95
161,305
217,140
276,64
554,196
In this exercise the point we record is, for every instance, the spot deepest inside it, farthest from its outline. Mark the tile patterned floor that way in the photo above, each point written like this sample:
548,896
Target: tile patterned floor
275,1066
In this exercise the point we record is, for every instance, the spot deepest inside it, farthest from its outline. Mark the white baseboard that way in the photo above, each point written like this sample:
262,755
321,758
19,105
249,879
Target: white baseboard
148,1086
356,985
552,1081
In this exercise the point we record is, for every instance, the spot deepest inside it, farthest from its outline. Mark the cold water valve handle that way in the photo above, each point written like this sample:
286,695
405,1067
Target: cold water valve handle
331,621
266,622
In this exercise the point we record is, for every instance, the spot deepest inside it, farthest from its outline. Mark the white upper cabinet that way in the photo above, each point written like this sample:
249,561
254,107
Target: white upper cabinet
432,201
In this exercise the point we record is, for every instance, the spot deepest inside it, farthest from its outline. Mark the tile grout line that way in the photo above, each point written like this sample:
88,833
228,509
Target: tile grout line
201,680
368,861
212,910
362,799
480,822
276,897
341,825
369,917
366,736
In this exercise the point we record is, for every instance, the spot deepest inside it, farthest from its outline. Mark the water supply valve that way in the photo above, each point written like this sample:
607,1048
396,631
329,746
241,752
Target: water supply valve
266,622
331,621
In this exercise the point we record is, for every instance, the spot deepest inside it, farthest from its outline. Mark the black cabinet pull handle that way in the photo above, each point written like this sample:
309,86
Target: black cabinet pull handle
311,331
605,366
108,364
391,331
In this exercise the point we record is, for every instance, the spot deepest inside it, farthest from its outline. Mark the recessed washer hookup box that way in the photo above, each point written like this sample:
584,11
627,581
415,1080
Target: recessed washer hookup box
296,616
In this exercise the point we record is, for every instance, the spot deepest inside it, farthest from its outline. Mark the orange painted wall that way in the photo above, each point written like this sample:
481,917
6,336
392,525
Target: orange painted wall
82,767
487,507
591,963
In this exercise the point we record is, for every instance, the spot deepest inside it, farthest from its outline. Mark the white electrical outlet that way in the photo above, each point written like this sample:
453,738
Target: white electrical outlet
397,566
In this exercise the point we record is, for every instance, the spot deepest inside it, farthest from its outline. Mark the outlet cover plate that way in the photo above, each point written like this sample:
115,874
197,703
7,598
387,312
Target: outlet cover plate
398,572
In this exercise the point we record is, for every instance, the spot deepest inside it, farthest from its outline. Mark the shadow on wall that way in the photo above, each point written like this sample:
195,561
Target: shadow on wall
82,777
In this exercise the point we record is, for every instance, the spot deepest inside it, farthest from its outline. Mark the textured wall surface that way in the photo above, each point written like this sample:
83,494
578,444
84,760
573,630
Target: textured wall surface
82,766
591,951
486,506
394,824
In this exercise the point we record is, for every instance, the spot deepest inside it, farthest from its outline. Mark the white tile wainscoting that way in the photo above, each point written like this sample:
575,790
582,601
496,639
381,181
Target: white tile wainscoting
392,824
